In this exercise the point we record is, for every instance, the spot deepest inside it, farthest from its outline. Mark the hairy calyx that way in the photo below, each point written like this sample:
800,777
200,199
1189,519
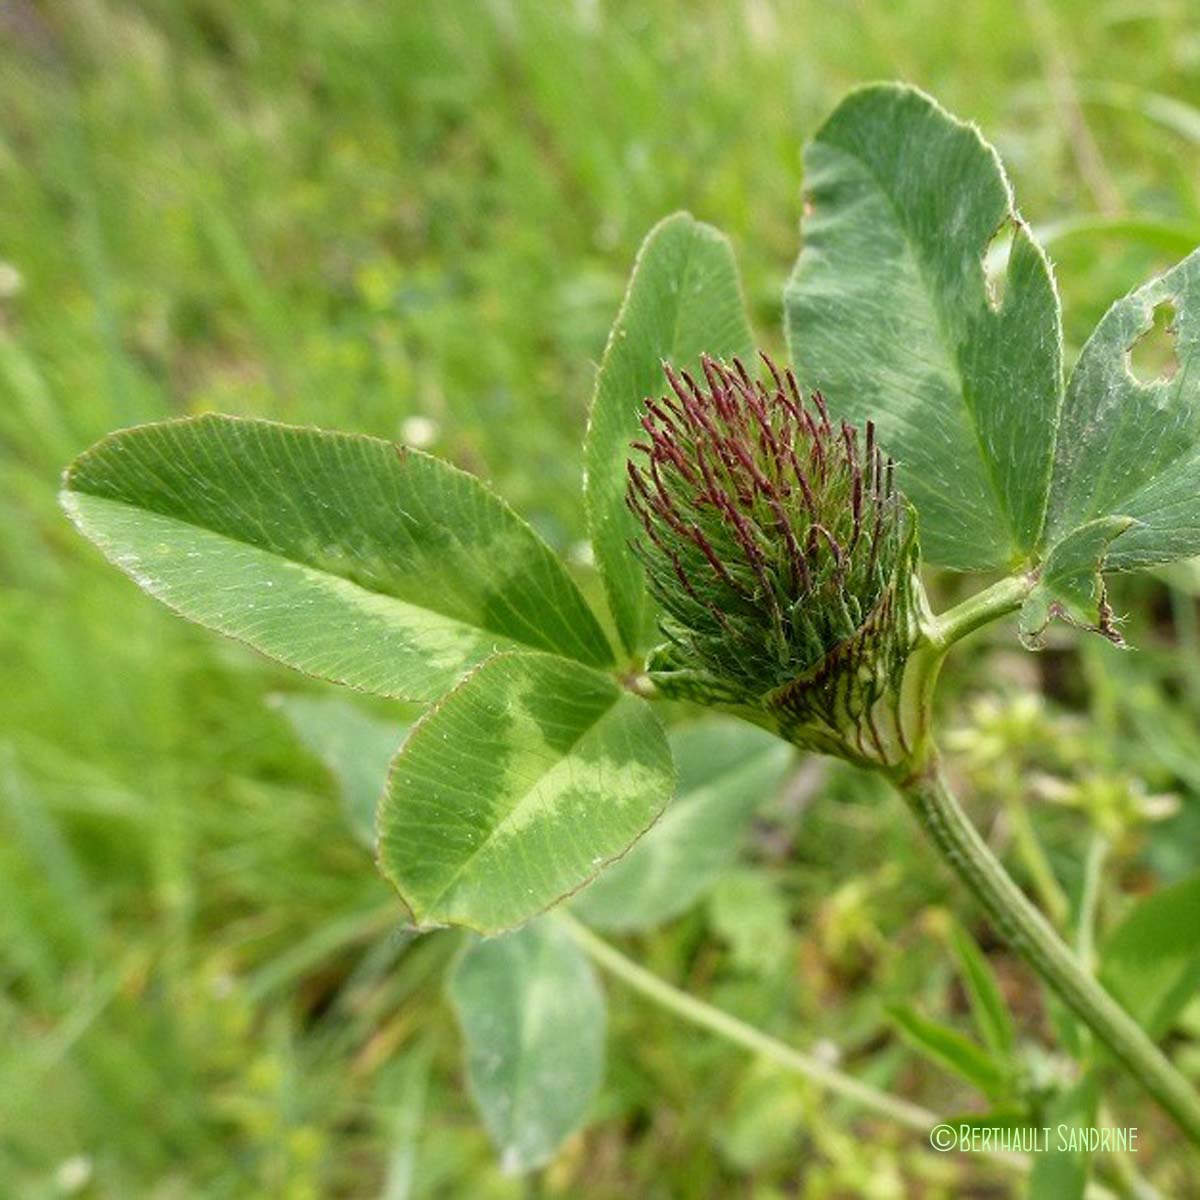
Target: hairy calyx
782,554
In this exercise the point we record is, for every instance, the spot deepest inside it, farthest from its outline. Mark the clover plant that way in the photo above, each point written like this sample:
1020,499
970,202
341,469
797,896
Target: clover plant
759,531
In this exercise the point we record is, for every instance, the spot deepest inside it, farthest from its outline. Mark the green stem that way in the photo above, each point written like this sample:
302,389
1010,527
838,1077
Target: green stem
713,1019
1027,930
1031,936
910,1116
1005,596
938,635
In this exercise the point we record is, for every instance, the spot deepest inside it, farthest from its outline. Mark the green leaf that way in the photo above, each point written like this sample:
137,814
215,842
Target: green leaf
683,299
726,769
991,1014
516,788
532,1015
764,1118
356,750
1151,961
1061,1172
344,556
1129,447
747,911
401,1097
1071,584
888,313
948,1048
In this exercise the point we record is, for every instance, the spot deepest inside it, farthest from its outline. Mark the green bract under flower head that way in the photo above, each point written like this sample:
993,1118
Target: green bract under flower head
783,557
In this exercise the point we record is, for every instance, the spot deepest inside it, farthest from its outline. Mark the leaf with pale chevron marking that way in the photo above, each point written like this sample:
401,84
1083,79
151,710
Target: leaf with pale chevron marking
516,789
344,556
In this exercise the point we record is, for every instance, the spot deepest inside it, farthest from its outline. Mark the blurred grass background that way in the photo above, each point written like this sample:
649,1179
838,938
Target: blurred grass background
416,220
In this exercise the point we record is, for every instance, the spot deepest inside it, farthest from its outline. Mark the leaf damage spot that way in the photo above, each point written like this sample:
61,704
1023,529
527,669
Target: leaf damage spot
1152,357
995,263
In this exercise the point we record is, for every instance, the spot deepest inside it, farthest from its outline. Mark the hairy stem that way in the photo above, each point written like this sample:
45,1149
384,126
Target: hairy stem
1026,929
1030,935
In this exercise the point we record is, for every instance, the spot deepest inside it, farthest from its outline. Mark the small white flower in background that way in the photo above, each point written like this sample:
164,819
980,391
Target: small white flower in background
1115,802
581,553
223,985
827,1052
587,15
73,1174
419,431
11,281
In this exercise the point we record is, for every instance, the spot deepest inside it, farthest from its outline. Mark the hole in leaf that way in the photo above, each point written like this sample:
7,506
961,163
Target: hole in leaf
1152,357
995,264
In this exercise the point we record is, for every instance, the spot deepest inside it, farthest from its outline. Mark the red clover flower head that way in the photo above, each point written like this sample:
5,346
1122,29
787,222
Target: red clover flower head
783,556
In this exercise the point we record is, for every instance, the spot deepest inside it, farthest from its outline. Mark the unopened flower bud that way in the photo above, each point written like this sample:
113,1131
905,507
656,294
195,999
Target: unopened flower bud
784,559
